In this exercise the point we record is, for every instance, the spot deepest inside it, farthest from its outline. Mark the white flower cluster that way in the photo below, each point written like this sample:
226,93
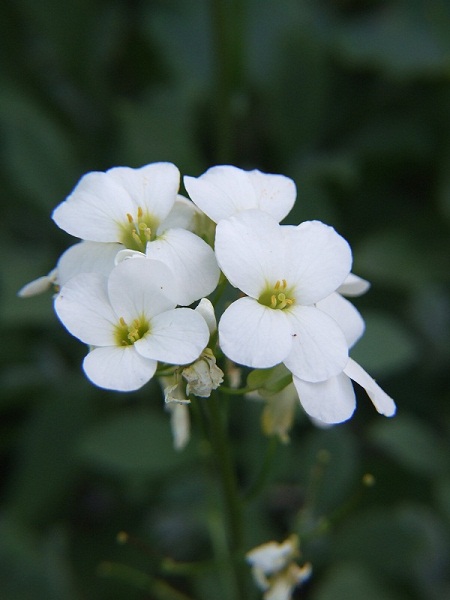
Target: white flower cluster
147,254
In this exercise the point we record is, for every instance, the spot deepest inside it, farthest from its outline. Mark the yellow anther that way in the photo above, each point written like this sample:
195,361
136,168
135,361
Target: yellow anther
148,234
140,212
273,301
277,285
122,322
137,239
130,218
284,284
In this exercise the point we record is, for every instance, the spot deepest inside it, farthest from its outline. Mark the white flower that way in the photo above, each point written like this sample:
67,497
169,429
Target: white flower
203,375
141,209
131,322
284,271
333,400
225,190
274,569
84,257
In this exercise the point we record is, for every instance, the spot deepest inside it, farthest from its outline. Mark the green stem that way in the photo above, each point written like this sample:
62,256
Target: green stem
221,446
228,36
260,482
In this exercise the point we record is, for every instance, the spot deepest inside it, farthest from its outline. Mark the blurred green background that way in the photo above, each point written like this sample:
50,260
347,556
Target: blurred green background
350,98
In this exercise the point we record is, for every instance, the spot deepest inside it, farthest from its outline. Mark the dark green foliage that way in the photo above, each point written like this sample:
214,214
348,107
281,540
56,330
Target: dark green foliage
351,98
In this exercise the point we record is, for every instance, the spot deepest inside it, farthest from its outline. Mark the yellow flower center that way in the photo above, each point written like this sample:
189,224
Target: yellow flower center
139,230
277,296
127,335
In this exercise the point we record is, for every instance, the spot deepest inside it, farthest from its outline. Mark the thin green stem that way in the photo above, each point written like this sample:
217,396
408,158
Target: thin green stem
221,446
227,18
261,480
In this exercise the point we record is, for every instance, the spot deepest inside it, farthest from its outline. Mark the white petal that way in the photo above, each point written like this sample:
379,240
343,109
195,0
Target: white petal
84,309
182,216
320,260
254,335
87,257
250,251
330,401
382,402
95,210
118,368
180,424
177,337
354,286
38,286
153,187
346,316
191,260
222,192
319,348
275,193
141,287
206,309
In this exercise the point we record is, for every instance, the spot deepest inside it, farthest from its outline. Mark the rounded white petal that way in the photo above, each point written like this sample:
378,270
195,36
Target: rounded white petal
319,349
206,309
382,402
354,286
192,261
222,191
176,336
226,190
182,216
330,401
320,260
84,309
254,335
250,251
153,187
95,210
275,193
87,257
141,287
346,316
118,368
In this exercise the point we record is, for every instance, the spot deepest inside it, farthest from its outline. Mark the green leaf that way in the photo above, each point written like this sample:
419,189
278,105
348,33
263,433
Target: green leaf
45,465
405,543
386,346
404,39
273,380
138,443
345,576
161,127
40,160
412,443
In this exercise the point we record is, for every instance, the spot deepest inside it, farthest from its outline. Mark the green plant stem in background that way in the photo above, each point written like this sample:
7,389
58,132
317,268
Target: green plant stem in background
227,16
221,446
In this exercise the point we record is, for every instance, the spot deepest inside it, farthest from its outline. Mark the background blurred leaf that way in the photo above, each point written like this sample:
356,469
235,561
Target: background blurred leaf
386,346
411,443
136,443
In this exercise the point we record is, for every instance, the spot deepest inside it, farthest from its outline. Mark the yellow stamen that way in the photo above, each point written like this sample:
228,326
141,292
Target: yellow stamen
139,212
273,301
136,238
130,218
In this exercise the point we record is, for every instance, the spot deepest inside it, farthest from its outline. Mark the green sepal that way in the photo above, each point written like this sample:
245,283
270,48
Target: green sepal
272,380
